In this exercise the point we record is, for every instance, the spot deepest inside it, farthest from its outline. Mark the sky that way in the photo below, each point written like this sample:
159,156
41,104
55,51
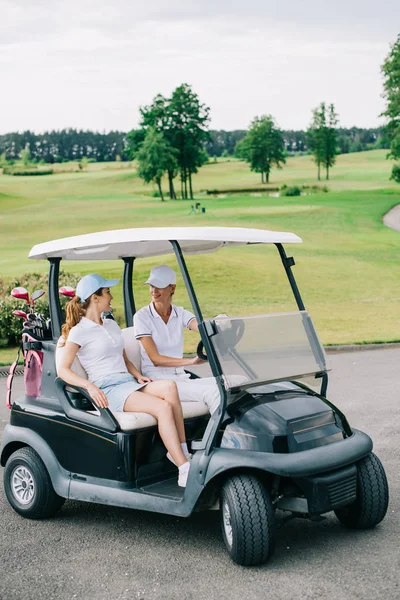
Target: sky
92,64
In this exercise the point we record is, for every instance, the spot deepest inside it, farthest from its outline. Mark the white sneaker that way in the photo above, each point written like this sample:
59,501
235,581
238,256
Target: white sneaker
188,458
183,475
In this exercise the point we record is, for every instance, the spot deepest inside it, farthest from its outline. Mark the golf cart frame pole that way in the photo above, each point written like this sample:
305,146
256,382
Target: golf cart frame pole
288,263
204,333
212,357
129,300
54,300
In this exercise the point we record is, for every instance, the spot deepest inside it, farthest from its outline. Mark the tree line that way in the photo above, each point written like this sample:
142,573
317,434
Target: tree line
64,145
353,139
73,144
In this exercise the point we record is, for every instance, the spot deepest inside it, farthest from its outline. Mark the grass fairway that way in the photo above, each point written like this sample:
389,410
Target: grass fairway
348,268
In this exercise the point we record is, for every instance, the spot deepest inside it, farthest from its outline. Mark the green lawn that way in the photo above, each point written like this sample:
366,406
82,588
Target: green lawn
8,355
348,267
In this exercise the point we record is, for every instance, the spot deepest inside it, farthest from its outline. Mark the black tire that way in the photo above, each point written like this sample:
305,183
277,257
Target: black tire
247,520
370,506
28,486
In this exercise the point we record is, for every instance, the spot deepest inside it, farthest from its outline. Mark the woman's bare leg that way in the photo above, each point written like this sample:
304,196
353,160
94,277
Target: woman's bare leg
168,391
160,409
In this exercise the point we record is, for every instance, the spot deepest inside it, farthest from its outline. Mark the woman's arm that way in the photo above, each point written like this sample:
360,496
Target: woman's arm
193,325
65,372
159,360
133,370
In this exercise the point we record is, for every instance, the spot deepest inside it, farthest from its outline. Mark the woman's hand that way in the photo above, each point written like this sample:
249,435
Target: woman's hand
99,397
142,379
197,361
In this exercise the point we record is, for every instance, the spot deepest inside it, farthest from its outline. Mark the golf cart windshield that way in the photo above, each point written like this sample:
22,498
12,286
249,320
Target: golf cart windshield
266,348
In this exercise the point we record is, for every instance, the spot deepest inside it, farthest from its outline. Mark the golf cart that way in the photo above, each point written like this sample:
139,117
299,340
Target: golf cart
275,442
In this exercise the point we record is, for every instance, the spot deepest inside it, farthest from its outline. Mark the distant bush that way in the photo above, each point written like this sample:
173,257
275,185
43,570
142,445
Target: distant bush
92,160
294,190
314,189
395,176
26,172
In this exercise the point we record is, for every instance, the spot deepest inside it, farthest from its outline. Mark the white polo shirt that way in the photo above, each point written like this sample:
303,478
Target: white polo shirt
101,347
168,337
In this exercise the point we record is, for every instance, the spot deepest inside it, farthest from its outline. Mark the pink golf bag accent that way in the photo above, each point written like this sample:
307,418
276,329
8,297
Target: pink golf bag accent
33,366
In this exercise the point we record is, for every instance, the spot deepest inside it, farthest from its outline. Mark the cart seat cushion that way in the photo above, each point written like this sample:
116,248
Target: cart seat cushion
129,421
132,347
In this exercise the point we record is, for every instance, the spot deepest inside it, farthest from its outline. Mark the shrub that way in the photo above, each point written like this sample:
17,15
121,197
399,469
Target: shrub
10,325
26,172
395,173
290,191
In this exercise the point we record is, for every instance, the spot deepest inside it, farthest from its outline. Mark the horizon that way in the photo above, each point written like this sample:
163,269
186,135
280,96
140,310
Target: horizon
82,129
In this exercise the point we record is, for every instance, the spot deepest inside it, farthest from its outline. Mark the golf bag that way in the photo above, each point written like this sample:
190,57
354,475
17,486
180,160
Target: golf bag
33,366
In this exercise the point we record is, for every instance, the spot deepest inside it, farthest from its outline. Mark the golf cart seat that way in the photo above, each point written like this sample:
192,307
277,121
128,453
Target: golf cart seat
129,421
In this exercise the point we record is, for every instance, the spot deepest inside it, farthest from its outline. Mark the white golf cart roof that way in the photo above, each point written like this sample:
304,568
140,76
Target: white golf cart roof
155,241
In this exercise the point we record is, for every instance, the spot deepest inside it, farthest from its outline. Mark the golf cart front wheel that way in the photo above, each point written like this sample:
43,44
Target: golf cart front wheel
247,520
370,506
28,486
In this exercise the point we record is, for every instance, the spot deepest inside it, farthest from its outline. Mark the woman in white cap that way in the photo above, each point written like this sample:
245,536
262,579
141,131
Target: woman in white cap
159,327
113,381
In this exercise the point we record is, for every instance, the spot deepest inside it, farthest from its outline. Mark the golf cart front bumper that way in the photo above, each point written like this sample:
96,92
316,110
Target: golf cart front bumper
307,463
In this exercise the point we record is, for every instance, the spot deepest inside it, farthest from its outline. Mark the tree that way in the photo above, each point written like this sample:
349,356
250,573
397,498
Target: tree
157,115
330,141
183,120
155,158
322,137
263,146
315,136
391,73
134,140
189,125
25,157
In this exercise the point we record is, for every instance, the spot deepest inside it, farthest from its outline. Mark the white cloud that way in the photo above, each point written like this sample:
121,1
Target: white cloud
91,64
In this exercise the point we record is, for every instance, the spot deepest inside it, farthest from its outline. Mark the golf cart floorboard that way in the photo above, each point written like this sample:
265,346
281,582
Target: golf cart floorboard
168,488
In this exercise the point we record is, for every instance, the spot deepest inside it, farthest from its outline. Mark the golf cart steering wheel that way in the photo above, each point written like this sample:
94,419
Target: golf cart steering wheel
228,342
200,351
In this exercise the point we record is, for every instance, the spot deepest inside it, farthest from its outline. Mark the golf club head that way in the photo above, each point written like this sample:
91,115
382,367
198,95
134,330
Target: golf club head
37,294
20,313
21,293
67,290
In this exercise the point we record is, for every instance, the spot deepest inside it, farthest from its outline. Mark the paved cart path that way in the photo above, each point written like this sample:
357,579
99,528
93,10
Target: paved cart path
98,552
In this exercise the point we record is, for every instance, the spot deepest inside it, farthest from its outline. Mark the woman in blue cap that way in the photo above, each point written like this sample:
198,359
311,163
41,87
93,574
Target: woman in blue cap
113,381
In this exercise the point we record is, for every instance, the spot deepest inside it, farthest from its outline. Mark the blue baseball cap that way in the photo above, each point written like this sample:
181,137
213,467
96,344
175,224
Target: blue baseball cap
89,284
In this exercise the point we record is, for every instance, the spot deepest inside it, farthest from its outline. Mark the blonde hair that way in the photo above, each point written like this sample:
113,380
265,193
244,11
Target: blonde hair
74,311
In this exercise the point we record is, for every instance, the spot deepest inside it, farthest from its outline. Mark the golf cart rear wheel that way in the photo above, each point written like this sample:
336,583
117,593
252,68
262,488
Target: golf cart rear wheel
247,520
370,506
28,486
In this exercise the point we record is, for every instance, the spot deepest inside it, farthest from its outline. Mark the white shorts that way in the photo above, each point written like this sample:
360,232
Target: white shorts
204,389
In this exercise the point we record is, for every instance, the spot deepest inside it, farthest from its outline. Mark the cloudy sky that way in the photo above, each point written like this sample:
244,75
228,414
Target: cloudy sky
92,64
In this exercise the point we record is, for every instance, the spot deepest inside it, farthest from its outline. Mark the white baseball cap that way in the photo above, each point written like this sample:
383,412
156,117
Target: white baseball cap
89,284
161,277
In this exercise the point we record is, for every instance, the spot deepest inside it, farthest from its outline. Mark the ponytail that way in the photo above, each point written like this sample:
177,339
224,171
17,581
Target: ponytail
74,311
